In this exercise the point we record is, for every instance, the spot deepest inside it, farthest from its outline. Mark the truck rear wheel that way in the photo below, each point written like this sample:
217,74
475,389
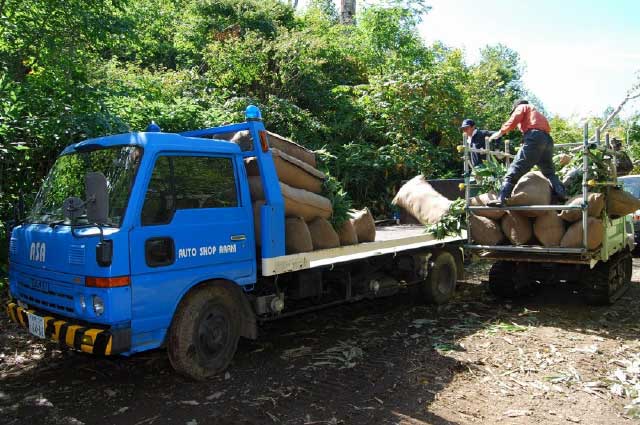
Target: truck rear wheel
204,334
609,281
440,284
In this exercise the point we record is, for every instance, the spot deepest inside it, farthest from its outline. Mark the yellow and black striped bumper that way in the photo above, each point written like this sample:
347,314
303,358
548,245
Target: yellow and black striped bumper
89,340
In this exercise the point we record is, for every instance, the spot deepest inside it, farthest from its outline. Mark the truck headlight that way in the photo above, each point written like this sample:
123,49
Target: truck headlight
83,303
98,305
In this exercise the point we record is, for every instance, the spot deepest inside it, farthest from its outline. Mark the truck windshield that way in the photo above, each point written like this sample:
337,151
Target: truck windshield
119,165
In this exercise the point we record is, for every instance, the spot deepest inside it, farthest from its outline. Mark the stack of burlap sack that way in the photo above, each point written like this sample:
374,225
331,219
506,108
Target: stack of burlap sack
307,212
545,228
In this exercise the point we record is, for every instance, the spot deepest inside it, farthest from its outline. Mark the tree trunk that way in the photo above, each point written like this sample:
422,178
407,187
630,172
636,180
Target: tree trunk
347,11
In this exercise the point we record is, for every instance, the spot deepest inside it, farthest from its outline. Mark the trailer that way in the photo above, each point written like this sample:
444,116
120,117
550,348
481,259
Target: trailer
603,274
145,240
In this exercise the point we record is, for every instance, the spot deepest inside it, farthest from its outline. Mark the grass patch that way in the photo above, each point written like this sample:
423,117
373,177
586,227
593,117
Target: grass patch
506,327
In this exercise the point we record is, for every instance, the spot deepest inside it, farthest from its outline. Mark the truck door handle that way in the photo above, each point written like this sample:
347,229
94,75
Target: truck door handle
238,237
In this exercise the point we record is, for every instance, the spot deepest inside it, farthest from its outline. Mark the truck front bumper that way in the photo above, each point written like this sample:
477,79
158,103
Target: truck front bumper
83,337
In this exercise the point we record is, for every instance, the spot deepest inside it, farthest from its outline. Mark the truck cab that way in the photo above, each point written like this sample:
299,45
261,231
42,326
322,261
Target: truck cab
178,214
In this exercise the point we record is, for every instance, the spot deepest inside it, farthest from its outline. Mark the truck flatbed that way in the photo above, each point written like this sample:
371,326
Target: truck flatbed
389,240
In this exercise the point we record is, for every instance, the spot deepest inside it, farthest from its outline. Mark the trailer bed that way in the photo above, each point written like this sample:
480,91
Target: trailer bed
389,240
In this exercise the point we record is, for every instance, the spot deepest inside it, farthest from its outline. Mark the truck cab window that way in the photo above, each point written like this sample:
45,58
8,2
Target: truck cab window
188,182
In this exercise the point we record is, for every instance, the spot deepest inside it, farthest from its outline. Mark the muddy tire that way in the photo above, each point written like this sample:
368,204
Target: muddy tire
607,282
440,284
501,279
204,333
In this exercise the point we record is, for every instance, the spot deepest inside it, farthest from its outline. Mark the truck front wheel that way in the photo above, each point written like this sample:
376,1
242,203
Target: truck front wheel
204,334
440,284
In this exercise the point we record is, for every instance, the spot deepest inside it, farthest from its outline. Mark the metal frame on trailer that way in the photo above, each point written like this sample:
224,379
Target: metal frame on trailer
580,255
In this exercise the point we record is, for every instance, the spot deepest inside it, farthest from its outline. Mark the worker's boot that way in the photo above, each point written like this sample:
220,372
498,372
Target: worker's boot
558,189
505,193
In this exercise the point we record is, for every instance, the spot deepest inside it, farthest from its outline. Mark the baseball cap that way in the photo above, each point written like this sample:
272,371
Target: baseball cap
467,123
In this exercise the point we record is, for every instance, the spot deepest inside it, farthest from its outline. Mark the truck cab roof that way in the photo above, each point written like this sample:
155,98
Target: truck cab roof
156,141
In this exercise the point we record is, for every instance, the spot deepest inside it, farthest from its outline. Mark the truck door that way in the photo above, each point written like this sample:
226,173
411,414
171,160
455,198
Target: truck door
195,224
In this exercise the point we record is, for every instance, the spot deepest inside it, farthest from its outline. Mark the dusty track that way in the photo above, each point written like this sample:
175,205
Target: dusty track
549,359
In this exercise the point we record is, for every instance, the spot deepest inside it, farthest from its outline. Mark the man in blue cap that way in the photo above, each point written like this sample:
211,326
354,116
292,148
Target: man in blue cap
477,138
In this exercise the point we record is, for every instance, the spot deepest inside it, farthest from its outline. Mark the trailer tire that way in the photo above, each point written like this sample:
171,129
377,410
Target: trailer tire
501,282
204,334
440,284
608,281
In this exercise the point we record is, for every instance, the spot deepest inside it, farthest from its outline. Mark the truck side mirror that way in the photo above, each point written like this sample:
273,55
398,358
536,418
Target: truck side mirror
95,186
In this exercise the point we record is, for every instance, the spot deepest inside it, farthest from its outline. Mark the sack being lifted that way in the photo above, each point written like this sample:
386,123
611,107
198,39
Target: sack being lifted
422,201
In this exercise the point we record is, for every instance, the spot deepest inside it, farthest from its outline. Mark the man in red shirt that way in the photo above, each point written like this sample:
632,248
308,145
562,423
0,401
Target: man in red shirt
536,149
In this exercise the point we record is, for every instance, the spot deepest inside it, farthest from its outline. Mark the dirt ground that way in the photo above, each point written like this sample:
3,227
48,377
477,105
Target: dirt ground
545,360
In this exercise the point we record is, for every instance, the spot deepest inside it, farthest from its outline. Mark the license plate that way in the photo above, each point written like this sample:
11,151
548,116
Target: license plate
36,325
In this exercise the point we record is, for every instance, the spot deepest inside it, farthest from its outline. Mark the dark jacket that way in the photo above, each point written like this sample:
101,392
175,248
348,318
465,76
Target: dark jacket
624,165
477,141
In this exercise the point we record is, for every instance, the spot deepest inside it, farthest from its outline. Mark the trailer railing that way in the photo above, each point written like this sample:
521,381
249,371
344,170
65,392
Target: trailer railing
583,146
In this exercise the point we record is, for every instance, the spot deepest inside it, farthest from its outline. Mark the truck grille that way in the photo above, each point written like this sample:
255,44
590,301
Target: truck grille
76,254
48,299
13,246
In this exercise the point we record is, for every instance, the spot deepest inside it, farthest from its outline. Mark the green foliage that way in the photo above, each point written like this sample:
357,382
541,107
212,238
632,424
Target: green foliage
564,131
598,170
340,201
452,223
489,175
384,105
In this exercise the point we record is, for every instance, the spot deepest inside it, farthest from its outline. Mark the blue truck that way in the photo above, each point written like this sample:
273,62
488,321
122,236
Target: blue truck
145,240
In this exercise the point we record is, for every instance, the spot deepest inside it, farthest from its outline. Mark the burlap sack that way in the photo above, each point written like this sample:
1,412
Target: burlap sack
532,189
292,148
485,231
364,225
549,229
297,236
621,203
347,234
291,171
243,139
323,236
422,201
297,202
481,201
573,237
517,228
595,205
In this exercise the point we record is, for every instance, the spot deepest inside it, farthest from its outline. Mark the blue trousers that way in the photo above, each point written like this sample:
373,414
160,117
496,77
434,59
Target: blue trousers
537,149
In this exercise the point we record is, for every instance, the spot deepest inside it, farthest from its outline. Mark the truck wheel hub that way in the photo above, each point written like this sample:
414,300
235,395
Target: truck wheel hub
213,333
